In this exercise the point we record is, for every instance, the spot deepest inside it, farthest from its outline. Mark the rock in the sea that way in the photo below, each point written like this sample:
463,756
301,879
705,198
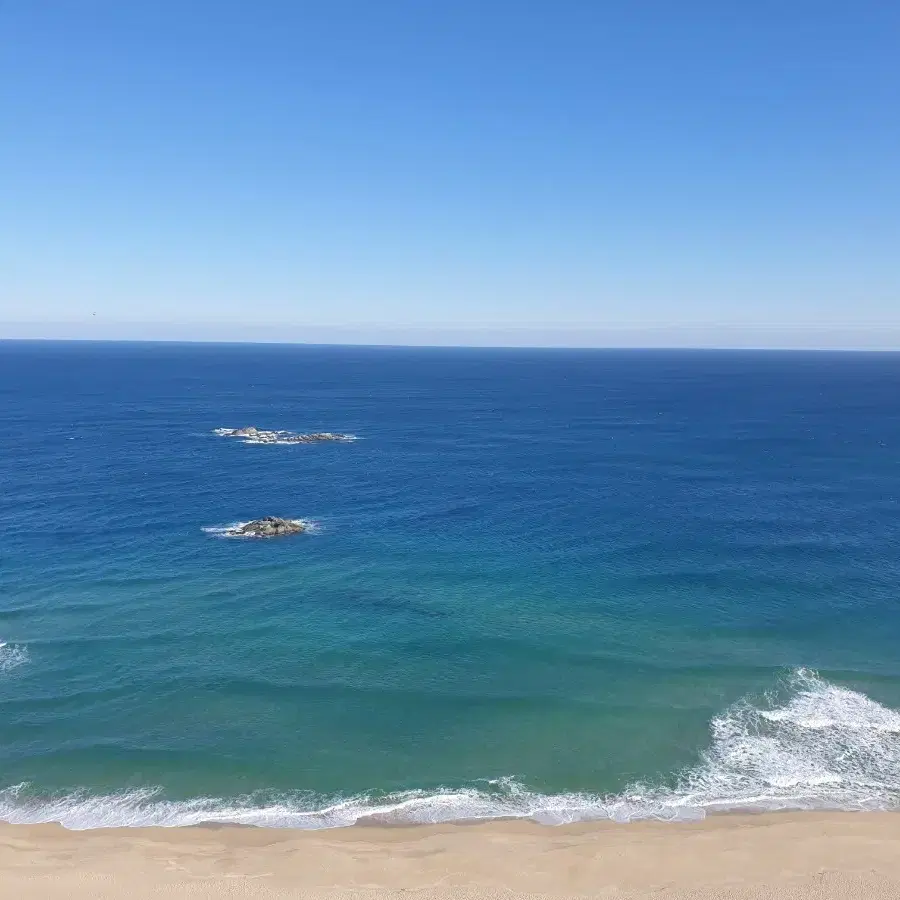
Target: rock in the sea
269,526
258,436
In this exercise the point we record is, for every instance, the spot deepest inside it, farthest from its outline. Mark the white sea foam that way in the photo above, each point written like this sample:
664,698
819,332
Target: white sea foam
227,432
12,656
226,531
824,747
287,442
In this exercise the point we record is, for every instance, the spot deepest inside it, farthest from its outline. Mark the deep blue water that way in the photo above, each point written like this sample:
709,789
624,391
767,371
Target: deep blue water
548,583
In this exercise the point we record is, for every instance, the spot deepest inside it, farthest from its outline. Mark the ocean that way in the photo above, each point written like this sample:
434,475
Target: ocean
562,585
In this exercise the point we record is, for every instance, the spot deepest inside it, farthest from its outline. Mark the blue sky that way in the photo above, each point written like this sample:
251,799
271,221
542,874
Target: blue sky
496,171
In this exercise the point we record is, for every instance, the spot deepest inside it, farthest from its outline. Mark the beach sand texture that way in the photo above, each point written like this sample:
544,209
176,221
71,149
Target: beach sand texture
788,855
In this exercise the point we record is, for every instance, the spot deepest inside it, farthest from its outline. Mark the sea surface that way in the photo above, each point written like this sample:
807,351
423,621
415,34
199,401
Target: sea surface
564,585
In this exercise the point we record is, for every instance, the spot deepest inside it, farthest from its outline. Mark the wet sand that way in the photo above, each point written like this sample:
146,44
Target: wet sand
784,855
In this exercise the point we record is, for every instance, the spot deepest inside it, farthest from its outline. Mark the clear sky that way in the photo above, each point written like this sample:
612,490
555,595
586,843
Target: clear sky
499,171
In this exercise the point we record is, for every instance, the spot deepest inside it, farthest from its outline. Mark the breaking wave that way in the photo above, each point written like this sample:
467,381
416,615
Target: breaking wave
822,747
12,656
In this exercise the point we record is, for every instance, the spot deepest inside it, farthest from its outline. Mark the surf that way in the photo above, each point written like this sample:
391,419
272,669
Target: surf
807,745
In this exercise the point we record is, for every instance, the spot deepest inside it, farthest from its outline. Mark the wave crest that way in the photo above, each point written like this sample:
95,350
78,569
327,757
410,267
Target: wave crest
12,656
826,747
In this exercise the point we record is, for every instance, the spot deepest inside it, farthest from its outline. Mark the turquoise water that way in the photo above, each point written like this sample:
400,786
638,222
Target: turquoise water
550,583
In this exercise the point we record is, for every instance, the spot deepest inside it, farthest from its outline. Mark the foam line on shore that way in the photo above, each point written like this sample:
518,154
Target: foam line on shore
812,745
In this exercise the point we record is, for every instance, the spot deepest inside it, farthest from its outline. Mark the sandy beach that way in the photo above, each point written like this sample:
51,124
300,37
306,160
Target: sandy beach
805,855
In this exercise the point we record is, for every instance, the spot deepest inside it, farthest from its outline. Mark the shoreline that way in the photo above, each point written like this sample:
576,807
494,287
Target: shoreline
752,856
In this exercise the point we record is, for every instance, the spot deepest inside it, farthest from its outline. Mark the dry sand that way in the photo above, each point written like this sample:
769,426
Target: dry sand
806,855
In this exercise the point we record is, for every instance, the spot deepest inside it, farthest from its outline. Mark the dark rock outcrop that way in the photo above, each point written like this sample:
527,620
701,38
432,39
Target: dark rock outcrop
269,526
258,436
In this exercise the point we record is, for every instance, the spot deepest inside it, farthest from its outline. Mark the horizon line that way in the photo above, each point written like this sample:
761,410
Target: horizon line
691,336
688,348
